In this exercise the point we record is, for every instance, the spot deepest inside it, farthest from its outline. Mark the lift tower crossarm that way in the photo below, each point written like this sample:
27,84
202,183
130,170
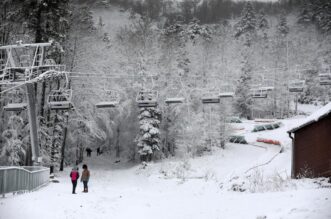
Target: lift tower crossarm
16,46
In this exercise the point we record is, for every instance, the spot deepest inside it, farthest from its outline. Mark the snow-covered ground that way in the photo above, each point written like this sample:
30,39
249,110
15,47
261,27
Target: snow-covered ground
223,184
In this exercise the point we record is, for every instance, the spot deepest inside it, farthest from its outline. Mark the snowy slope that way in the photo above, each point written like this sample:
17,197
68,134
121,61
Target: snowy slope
133,192
201,187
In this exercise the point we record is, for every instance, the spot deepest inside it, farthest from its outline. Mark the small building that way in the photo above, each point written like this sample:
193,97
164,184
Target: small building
311,145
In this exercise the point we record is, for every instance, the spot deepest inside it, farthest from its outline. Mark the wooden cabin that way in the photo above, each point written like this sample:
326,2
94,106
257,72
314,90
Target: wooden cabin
311,145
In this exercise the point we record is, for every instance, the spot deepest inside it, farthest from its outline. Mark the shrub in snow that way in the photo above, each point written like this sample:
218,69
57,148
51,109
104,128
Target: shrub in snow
182,169
305,172
177,170
238,187
258,182
14,148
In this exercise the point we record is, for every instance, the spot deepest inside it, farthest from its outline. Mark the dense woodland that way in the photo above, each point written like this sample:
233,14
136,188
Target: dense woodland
184,48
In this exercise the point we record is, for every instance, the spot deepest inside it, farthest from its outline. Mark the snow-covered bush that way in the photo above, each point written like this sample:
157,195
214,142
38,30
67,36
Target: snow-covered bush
305,172
13,150
181,170
148,140
258,182
14,147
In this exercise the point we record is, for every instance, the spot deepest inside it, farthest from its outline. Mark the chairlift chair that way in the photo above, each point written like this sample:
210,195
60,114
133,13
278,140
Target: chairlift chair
226,94
227,91
268,88
173,100
175,93
15,106
112,100
296,86
147,98
325,79
211,97
106,104
259,93
175,97
60,99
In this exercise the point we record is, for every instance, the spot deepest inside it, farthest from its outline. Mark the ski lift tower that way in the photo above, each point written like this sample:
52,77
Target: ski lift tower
20,64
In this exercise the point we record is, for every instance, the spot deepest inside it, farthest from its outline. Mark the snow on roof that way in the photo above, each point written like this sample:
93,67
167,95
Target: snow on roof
322,112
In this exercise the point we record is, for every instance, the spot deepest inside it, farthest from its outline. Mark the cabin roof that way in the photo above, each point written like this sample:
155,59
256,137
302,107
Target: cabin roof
316,116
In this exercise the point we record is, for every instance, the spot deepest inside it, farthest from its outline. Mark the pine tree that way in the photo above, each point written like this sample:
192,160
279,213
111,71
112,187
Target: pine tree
149,139
100,23
247,22
322,14
263,24
57,140
195,30
48,19
175,38
243,101
305,15
282,27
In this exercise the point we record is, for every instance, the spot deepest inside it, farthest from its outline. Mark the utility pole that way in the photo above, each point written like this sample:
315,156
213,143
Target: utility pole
32,113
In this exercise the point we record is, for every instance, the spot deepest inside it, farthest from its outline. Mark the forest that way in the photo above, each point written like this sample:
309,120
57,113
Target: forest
183,50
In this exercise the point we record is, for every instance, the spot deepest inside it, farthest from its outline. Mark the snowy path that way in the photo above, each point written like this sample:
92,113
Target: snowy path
124,191
121,192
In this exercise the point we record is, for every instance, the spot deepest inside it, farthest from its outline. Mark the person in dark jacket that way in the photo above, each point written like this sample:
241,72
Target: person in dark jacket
88,152
74,175
85,177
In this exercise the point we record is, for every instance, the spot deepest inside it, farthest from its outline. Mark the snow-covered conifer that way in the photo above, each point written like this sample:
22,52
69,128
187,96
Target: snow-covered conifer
282,27
149,138
247,22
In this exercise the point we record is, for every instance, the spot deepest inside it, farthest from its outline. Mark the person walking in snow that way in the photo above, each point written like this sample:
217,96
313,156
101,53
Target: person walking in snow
74,175
88,152
85,177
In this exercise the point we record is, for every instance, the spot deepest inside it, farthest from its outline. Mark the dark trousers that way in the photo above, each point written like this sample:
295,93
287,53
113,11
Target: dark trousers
74,184
85,186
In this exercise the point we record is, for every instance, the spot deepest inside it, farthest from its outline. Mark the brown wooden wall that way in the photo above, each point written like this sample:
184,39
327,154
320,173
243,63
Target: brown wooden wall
312,148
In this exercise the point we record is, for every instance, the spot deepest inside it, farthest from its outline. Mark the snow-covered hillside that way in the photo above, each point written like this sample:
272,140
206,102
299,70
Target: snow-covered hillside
242,181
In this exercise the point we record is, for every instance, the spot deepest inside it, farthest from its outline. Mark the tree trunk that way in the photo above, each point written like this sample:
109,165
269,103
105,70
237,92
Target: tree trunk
42,100
4,19
73,55
53,145
38,33
118,141
64,143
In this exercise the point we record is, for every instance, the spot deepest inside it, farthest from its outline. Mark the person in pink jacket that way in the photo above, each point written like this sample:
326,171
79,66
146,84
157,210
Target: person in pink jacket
74,175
